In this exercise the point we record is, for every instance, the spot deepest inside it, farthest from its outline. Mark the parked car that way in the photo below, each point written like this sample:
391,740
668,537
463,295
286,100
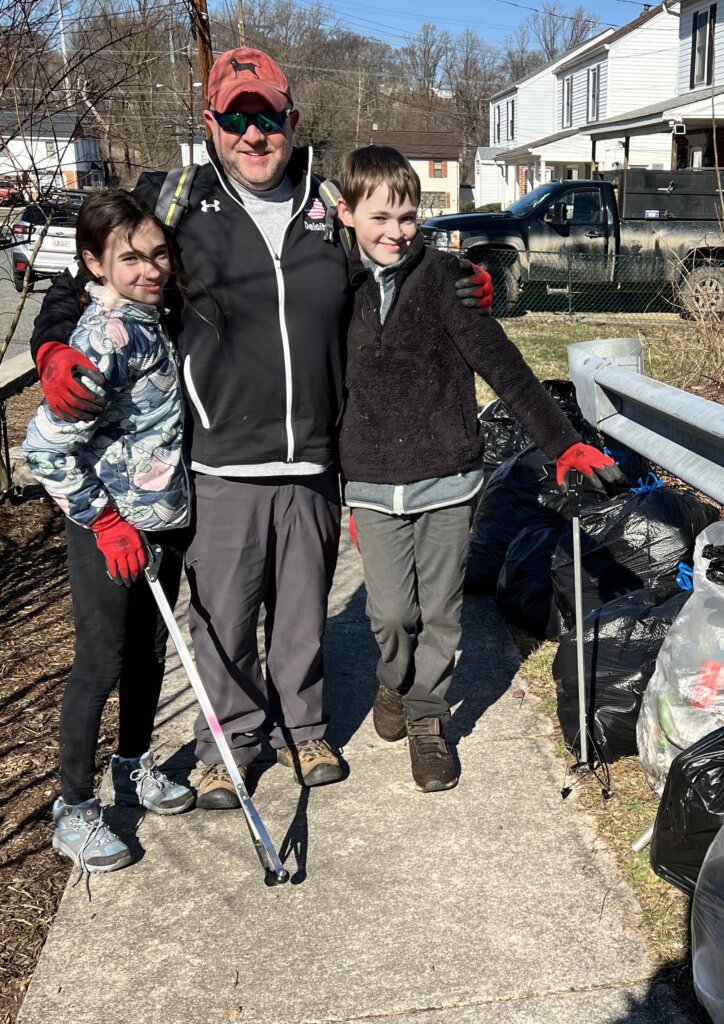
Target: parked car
10,192
637,232
57,249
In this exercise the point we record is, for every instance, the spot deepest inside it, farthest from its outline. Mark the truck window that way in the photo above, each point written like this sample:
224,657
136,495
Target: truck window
582,205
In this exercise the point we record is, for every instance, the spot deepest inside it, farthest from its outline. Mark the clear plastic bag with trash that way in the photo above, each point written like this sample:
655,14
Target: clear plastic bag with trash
685,697
707,931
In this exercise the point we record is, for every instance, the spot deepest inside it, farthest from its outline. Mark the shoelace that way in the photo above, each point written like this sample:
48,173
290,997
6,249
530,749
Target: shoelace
428,744
99,831
310,750
152,775
217,773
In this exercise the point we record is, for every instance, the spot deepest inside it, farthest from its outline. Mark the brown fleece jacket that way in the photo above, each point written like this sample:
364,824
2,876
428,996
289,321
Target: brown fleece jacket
411,412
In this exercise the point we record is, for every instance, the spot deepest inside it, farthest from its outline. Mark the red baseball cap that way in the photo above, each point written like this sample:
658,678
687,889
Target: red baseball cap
247,71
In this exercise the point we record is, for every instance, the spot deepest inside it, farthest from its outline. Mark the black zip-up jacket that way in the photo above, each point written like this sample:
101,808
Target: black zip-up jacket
411,412
261,334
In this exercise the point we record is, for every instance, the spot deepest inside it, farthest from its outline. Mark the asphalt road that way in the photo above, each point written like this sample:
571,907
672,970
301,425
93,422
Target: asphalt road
8,304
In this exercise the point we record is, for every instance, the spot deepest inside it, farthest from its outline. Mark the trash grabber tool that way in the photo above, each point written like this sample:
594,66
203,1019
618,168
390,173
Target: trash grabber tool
274,871
574,503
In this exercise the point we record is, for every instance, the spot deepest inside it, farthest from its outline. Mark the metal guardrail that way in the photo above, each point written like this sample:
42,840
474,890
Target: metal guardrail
681,432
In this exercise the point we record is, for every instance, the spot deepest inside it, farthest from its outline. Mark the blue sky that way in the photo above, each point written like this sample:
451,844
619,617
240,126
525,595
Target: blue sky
491,19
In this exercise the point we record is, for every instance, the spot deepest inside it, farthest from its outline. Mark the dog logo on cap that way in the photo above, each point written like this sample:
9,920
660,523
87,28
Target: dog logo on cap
239,67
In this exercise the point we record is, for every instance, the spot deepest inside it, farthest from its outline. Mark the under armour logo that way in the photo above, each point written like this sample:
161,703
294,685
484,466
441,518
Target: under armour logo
206,205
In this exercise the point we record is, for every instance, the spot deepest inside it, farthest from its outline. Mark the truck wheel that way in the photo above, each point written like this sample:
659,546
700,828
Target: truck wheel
506,287
703,292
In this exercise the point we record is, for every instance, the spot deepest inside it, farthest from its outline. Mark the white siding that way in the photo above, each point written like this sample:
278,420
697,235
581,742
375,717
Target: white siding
642,65
490,184
579,75
685,31
535,111
501,106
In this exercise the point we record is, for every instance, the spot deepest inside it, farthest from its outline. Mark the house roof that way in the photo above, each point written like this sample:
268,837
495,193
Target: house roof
614,37
61,124
526,148
420,145
653,113
487,152
581,49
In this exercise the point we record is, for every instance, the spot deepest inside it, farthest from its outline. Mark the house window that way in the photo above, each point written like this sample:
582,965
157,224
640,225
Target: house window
510,118
567,112
702,47
496,125
594,81
51,149
437,169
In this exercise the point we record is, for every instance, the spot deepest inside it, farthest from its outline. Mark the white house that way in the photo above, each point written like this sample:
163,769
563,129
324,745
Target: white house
579,91
52,150
521,116
489,183
435,157
692,113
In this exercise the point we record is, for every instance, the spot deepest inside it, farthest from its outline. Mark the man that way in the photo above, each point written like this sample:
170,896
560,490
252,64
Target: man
261,337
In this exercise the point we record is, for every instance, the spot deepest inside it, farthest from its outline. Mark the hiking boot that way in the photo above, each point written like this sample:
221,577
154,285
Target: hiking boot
388,714
216,791
80,833
313,762
432,763
137,782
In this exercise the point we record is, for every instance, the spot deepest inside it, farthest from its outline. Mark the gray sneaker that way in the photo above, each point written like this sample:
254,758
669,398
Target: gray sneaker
139,783
80,833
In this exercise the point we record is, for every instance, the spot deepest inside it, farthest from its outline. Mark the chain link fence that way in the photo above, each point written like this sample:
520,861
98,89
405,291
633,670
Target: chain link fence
653,285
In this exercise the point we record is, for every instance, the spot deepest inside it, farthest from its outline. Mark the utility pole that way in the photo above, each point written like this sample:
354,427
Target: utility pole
64,52
240,15
202,31
359,106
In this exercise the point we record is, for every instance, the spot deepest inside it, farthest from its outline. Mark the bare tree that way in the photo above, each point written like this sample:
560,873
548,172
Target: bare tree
423,58
519,56
557,30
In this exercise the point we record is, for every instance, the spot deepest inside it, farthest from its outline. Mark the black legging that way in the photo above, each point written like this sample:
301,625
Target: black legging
120,638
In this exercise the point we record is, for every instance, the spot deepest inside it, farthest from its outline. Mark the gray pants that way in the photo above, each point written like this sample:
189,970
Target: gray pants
271,542
414,567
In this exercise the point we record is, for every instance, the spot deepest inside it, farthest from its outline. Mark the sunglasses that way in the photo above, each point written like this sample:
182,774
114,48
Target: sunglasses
266,121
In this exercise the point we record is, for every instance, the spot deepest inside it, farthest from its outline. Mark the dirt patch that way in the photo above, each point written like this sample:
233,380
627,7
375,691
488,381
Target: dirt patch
36,652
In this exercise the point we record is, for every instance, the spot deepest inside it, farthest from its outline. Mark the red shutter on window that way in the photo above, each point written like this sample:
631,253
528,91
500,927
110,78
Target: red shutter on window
447,200
430,168
444,171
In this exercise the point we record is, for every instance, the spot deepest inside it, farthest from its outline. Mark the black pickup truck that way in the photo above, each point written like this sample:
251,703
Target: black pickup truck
635,231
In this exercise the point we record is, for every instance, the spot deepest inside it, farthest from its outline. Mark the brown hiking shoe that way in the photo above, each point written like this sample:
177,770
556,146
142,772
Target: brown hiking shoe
388,714
216,791
313,761
433,768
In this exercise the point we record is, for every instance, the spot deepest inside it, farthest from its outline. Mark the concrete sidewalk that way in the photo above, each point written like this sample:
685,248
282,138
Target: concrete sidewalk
488,904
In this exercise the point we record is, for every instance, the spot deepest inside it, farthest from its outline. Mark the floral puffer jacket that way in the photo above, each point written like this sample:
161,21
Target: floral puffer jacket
129,457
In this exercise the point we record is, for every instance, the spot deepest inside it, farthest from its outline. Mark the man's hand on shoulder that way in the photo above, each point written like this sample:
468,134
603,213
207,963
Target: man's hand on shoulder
476,289
61,370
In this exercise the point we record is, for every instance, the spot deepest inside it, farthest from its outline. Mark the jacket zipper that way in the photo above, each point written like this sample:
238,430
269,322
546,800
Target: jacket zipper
277,263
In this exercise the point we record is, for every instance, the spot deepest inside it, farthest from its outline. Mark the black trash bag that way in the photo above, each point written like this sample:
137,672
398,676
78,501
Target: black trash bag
522,492
621,643
504,436
525,588
630,542
691,812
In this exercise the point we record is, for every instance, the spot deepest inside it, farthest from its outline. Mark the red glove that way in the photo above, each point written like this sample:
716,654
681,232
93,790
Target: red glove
353,530
121,546
61,370
584,458
477,289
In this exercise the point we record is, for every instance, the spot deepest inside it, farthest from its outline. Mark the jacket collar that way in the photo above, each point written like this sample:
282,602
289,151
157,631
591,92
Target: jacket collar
299,170
358,272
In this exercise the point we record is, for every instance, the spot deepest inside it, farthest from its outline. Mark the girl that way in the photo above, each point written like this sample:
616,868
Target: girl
114,475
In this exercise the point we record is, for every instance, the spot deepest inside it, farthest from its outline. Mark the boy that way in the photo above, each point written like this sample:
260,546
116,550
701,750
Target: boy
411,448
